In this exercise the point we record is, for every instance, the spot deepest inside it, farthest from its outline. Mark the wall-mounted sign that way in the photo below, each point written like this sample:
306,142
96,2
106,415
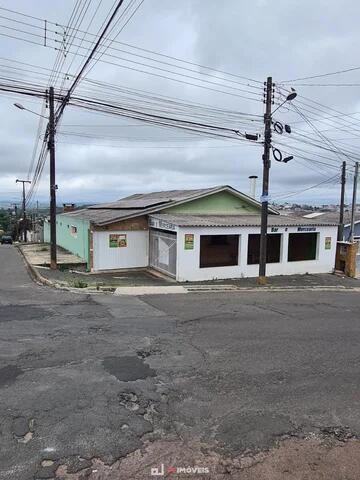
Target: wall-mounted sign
306,229
189,241
274,229
117,240
327,243
161,224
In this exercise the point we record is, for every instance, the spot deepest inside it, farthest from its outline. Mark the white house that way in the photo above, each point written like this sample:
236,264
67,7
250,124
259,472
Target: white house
194,235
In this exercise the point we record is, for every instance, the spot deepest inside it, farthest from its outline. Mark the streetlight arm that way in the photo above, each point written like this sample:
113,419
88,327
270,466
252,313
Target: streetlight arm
21,107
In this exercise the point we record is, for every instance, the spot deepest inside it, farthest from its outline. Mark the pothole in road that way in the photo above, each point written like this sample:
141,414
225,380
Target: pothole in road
9,374
128,368
11,313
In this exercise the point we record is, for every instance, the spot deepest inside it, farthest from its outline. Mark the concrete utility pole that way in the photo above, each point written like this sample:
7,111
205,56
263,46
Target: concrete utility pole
23,207
265,186
342,203
353,206
53,186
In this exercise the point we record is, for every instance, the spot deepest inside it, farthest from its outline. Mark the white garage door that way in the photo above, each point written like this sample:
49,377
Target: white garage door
119,249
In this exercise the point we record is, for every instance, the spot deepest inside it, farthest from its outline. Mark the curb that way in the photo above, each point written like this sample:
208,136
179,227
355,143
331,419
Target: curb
40,280
34,274
232,288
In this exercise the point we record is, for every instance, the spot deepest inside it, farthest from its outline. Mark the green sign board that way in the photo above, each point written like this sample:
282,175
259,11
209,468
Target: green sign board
189,241
117,240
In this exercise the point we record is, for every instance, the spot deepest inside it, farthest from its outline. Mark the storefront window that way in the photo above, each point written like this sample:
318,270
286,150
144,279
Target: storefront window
219,250
302,246
273,248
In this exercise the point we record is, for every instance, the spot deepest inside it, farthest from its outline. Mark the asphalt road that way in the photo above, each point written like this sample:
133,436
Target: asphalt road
97,377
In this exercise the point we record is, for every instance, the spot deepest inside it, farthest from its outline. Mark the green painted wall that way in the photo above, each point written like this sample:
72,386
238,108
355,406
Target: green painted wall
77,244
216,204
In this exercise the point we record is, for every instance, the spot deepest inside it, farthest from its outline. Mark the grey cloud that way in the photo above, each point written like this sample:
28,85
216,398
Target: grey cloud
287,39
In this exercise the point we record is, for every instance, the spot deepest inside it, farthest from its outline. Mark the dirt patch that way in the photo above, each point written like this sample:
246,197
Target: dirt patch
294,459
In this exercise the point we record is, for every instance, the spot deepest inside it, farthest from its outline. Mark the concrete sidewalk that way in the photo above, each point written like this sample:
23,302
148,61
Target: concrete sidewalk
38,254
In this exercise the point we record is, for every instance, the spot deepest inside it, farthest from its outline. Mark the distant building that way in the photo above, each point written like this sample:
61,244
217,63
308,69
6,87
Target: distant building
334,217
205,234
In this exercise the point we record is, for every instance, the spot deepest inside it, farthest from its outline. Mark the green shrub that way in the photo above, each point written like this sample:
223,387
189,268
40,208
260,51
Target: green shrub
80,284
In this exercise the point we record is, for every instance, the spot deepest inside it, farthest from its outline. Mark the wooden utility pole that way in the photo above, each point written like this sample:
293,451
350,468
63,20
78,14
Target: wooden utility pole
265,186
342,203
353,206
23,207
53,186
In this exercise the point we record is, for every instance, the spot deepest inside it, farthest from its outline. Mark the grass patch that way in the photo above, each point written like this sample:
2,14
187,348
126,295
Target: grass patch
80,284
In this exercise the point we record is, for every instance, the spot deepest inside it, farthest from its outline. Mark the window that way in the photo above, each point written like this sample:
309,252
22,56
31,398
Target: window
302,246
73,231
219,250
273,247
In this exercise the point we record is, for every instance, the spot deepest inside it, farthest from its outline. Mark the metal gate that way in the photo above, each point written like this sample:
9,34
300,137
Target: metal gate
163,251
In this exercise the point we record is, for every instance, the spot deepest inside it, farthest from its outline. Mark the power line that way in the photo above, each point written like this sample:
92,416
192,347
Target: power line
291,194
328,74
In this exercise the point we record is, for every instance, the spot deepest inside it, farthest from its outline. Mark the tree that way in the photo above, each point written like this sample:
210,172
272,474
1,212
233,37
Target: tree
4,220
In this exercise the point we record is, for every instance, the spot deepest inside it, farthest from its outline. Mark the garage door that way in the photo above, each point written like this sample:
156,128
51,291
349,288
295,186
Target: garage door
120,249
163,251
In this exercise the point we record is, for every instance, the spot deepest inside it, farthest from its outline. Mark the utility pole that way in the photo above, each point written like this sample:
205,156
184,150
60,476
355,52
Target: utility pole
342,203
23,207
353,206
51,147
265,186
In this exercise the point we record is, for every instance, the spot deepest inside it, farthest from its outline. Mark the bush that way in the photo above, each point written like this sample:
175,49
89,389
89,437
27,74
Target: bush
80,284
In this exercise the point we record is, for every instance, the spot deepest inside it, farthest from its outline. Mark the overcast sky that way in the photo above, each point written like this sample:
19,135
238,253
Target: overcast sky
285,39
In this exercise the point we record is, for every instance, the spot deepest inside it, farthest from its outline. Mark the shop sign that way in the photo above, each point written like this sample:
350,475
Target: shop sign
117,240
189,241
306,229
161,224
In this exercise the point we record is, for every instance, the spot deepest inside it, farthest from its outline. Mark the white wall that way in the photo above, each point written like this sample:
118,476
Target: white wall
188,260
134,255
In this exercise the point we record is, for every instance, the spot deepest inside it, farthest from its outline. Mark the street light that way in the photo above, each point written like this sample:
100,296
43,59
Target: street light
51,147
21,107
290,97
